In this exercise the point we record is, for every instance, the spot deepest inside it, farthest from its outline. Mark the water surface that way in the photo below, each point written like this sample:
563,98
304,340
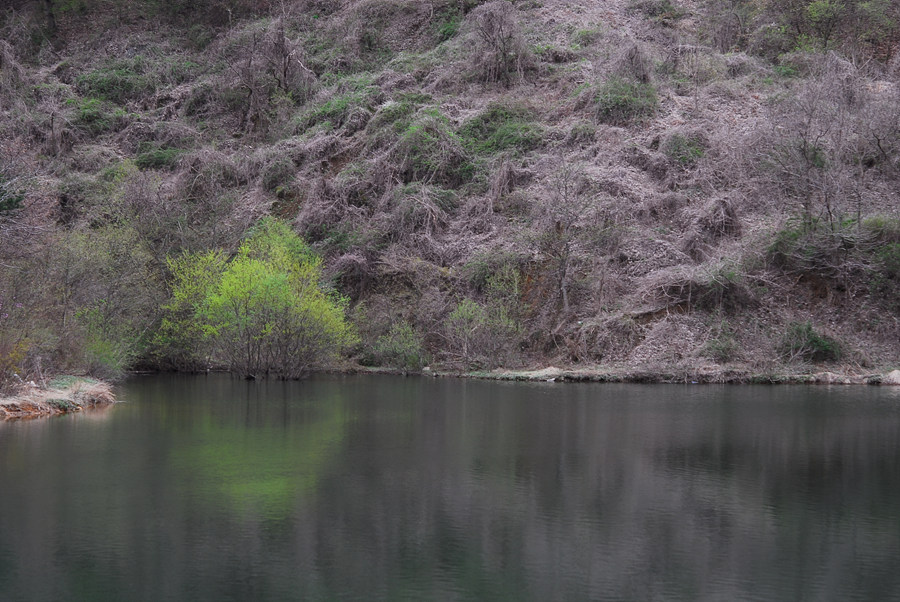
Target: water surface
389,488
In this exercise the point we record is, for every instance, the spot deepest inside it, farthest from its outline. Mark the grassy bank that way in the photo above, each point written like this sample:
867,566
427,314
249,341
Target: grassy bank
63,395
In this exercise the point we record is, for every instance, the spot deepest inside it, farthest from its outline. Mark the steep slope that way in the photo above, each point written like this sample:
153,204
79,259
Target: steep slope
619,183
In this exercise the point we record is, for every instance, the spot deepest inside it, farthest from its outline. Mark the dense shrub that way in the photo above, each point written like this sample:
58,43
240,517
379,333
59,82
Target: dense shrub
11,196
721,346
812,246
158,158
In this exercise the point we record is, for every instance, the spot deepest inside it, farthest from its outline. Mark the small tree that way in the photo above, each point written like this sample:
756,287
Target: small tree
571,201
477,335
266,313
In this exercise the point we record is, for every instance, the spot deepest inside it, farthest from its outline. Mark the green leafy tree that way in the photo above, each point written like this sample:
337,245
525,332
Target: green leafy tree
181,342
265,312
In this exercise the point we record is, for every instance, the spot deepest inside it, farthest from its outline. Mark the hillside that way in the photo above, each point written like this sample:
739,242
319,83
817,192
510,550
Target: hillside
684,185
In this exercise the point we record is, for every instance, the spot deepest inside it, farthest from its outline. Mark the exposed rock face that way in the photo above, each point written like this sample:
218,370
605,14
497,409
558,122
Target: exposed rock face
891,378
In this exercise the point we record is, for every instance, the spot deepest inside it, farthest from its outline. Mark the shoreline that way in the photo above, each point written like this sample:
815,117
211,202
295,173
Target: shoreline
64,396
652,375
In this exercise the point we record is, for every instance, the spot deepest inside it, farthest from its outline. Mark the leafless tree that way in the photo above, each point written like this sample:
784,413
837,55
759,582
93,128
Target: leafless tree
500,53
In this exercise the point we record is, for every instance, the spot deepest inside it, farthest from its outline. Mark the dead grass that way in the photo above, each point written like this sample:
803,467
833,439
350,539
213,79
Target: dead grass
31,401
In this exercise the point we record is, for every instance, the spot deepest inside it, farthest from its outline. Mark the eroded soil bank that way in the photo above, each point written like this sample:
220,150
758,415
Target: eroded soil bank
63,395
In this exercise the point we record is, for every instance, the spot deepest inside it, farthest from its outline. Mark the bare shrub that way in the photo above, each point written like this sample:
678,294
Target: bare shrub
419,209
562,221
265,64
634,63
326,216
11,72
720,219
499,53
815,150
716,287
286,62
608,338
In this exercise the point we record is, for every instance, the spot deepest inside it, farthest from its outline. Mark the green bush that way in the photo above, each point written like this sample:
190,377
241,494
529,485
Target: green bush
401,348
801,342
394,117
882,228
501,128
351,93
108,347
813,245
585,37
446,29
621,101
90,115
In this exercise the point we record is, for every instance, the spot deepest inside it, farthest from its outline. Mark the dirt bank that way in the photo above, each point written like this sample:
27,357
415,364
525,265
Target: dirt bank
61,397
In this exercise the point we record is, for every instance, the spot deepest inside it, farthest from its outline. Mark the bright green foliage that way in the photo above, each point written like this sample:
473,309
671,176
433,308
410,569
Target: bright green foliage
181,340
266,312
621,101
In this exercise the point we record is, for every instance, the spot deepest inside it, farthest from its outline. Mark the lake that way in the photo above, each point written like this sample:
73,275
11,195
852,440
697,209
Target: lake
391,488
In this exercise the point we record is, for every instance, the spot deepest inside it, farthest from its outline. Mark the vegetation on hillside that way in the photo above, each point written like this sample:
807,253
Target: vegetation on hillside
267,186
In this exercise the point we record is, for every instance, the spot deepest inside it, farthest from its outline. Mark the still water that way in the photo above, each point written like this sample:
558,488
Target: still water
389,488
